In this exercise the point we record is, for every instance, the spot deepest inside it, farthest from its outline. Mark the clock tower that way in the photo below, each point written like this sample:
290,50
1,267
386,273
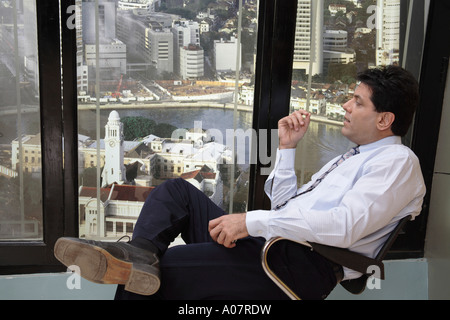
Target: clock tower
114,170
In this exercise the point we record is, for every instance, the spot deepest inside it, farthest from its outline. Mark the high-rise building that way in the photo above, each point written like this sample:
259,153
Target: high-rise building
185,33
191,62
82,69
159,47
148,39
388,32
106,20
308,36
112,58
226,54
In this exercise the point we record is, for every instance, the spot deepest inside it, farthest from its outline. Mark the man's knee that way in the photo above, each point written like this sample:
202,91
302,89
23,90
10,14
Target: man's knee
176,182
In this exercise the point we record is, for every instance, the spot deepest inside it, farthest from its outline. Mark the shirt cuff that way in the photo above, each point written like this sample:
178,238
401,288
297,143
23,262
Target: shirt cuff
286,159
257,223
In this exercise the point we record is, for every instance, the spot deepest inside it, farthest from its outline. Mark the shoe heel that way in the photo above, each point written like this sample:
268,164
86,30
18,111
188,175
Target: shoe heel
143,280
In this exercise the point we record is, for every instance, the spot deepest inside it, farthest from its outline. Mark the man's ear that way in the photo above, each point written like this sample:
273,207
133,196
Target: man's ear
385,121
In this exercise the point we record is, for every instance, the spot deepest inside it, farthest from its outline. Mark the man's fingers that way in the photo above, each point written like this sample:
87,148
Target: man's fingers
297,119
213,229
227,229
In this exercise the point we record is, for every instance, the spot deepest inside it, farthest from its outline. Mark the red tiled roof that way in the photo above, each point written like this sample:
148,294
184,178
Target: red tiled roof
199,175
91,192
190,175
130,193
119,192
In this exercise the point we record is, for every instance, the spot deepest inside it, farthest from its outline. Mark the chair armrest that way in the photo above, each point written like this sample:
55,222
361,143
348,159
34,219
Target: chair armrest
340,256
291,294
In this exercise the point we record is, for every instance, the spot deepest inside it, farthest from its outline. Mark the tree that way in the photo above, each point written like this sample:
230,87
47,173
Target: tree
137,127
164,130
338,72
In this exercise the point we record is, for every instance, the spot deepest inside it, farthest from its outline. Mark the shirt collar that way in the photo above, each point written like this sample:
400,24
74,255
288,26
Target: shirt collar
380,143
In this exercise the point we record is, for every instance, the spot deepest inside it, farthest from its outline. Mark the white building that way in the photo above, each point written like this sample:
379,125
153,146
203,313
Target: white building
147,5
226,54
185,33
120,203
120,206
106,20
335,40
82,69
158,47
247,95
114,169
112,58
208,182
148,38
388,32
205,15
191,62
204,26
339,57
308,36
335,8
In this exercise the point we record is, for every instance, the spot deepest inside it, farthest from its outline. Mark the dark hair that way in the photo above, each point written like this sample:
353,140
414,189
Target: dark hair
393,90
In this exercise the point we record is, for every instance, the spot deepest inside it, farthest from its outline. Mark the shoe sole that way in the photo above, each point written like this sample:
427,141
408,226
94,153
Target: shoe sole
99,266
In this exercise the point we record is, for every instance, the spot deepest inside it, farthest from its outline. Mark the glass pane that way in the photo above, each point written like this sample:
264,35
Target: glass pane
334,41
172,97
20,140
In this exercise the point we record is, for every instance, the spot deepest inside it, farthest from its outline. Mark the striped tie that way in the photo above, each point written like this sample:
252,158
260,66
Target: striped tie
350,153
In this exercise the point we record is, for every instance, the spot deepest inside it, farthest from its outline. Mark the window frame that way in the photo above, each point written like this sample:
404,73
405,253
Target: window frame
276,32
37,256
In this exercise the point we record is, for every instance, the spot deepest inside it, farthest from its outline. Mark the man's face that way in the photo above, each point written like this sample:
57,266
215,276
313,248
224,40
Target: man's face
361,118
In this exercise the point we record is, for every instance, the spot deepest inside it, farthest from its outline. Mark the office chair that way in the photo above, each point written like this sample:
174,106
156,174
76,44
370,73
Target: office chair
343,257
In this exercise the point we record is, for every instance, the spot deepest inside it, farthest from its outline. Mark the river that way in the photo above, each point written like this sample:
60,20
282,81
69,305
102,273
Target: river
322,143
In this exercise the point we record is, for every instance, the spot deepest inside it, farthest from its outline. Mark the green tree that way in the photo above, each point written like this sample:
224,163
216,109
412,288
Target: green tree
137,127
341,72
164,130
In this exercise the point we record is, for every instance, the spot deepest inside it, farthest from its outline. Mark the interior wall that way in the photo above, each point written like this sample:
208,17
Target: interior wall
437,242
405,280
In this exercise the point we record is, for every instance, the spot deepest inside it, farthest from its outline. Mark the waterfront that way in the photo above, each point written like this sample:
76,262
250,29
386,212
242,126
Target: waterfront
323,141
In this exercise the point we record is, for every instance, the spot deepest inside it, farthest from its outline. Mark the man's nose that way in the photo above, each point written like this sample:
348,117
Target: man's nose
346,106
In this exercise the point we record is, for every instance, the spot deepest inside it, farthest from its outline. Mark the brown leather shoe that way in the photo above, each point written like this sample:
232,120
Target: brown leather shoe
111,263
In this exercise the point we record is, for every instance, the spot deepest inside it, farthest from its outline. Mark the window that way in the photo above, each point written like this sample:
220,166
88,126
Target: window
178,88
20,174
272,45
342,41
32,193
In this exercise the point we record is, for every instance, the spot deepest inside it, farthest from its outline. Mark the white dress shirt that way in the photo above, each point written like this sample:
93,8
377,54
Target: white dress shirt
356,206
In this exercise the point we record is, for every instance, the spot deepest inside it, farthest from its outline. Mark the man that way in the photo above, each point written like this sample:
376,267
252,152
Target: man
354,204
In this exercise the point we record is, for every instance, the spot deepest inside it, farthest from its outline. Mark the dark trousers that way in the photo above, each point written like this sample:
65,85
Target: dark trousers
203,269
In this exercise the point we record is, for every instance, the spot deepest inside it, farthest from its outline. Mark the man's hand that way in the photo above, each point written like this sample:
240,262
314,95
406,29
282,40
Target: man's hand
227,229
291,129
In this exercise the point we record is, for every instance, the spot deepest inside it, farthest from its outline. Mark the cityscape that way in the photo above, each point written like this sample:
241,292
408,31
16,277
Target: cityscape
166,55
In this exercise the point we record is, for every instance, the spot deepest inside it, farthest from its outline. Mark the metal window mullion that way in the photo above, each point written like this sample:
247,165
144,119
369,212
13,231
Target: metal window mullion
19,117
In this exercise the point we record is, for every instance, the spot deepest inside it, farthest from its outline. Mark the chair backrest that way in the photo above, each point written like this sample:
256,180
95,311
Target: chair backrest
357,286
392,237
